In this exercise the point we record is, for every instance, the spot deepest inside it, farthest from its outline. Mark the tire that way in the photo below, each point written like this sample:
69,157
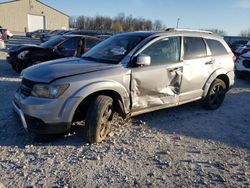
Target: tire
98,119
216,95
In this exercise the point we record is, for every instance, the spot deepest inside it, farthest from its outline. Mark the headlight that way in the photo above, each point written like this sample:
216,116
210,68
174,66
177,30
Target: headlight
48,91
23,54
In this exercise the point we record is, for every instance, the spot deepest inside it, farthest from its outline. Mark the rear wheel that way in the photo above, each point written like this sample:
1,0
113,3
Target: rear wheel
215,95
98,119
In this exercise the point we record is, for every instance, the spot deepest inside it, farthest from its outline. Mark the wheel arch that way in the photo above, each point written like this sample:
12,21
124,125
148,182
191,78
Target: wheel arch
112,89
218,74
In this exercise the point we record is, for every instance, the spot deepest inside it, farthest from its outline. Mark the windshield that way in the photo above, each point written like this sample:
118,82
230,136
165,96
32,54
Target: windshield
113,50
53,42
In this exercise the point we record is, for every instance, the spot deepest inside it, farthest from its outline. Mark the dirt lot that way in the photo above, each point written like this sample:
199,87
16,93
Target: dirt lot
185,146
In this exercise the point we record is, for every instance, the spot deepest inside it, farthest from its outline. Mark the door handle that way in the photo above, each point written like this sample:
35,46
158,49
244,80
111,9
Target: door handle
174,69
209,62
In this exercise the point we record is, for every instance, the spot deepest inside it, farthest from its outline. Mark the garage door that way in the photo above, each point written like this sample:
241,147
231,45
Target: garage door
36,22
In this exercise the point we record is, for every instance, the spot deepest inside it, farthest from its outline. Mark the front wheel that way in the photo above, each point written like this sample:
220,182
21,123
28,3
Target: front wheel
98,119
215,95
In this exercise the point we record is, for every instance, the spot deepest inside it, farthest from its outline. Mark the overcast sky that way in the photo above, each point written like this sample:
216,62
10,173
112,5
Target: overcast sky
229,15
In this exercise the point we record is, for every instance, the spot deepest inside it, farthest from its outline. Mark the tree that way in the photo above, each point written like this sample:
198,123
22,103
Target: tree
217,31
245,33
157,26
119,23
117,27
80,22
72,22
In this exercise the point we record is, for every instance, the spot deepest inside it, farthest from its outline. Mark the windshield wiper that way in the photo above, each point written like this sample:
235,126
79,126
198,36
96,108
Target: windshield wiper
107,61
89,58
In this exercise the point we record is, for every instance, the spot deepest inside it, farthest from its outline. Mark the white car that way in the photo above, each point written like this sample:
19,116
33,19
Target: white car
9,34
2,44
242,50
242,66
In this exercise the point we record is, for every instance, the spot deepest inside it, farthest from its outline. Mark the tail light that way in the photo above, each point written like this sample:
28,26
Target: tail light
234,59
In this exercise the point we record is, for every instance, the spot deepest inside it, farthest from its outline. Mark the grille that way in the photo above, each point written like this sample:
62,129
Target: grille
246,63
27,83
25,90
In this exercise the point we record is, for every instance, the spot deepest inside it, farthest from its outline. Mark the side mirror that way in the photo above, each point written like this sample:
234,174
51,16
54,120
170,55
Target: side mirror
143,60
55,48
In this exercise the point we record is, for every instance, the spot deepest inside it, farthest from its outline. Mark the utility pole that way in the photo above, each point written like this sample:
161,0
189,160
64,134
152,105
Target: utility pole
177,25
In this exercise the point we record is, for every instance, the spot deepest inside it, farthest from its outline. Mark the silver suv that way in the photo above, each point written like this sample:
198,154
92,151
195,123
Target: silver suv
129,73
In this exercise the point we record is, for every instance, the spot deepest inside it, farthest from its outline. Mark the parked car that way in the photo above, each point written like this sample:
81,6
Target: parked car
242,50
9,34
4,34
2,43
84,32
48,36
242,66
23,56
37,34
103,37
129,73
235,42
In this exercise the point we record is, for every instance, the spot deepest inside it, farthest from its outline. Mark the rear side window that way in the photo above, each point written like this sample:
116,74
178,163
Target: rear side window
216,47
194,47
91,42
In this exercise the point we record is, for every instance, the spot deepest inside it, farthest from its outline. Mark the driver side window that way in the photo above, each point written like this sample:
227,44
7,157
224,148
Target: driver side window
70,44
164,51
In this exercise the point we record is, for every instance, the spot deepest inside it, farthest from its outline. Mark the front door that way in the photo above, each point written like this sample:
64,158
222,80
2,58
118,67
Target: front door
67,48
158,85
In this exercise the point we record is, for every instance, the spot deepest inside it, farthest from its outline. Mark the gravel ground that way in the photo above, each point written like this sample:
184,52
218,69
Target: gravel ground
185,146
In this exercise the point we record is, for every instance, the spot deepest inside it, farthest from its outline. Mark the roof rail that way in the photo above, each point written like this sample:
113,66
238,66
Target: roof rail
191,30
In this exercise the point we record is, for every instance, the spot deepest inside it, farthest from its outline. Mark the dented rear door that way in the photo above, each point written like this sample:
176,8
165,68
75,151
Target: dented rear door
158,84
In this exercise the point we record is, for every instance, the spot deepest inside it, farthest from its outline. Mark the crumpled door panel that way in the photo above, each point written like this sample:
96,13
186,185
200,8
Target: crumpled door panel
156,87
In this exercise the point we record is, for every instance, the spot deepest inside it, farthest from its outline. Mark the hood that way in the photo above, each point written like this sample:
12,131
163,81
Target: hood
52,70
22,47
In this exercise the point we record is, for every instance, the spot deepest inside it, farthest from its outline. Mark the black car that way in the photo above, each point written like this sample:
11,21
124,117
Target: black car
84,32
23,56
37,34
48,36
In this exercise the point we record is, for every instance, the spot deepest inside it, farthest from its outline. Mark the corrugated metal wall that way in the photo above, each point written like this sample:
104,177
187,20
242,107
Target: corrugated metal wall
14,15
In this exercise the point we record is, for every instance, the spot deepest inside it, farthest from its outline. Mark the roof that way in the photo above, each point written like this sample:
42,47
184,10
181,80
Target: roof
171,32
13,1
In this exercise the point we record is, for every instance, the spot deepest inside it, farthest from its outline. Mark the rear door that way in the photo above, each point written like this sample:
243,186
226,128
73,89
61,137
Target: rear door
198,66
158,85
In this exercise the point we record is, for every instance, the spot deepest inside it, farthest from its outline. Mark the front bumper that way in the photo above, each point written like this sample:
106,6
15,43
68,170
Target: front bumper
37,126
45,116
20,114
